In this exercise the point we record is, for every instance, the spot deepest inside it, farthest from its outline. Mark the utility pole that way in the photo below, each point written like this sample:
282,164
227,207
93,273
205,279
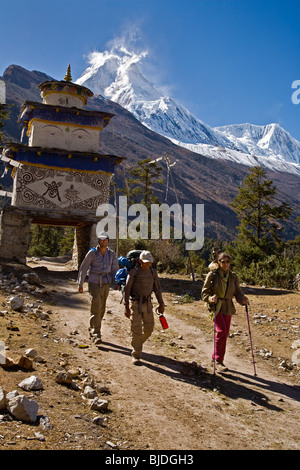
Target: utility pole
167,160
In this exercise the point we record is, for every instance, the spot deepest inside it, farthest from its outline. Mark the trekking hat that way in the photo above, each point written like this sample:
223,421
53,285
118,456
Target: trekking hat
146,257
102,236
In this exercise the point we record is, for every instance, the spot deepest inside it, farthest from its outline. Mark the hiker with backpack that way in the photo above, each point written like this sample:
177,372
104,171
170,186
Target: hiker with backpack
141,281
219,288
101,265
127,262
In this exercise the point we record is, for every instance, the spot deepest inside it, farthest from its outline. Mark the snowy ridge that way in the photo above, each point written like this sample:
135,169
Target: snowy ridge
270,162
263,140
115,75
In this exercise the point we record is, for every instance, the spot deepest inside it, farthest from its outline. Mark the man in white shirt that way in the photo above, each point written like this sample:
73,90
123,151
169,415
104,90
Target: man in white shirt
101,265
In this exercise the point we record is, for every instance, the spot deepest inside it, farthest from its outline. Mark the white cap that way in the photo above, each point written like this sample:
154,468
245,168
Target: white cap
146,257
102,236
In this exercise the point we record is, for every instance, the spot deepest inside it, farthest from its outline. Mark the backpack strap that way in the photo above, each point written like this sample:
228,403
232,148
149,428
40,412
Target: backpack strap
213,279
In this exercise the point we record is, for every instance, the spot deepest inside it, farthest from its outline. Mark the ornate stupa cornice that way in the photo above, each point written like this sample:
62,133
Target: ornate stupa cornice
66,87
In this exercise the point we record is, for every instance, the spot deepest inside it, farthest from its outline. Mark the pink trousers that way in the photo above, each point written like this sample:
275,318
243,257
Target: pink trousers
222,332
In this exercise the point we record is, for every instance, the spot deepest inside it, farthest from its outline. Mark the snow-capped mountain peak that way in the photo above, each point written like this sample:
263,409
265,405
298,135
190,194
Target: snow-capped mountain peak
270,140
115,75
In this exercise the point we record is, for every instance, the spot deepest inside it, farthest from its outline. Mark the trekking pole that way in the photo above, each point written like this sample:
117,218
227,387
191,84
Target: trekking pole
246,306
215,316
122,291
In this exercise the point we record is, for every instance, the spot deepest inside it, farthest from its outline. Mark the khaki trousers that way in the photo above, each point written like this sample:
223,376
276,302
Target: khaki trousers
98,296
142,324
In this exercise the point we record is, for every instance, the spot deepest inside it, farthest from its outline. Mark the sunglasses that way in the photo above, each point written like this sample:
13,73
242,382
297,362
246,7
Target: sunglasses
223,261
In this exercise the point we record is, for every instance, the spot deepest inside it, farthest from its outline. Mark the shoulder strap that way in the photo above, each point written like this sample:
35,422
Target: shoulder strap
135,271
93,251
213,279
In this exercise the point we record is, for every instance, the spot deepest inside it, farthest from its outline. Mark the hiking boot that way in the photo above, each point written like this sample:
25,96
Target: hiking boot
95,337
220,366
136,361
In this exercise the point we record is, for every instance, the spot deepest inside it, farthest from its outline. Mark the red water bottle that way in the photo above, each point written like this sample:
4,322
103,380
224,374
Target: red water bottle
163,322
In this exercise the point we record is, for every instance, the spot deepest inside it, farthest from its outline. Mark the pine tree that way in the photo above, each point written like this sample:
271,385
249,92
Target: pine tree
294,249
260,219
47,240
142,179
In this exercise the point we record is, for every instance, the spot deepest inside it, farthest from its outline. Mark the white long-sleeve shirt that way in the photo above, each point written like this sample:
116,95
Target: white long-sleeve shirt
100,268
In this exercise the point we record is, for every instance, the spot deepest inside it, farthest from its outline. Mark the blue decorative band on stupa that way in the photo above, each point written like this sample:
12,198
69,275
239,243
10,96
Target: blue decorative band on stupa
32,110
60,159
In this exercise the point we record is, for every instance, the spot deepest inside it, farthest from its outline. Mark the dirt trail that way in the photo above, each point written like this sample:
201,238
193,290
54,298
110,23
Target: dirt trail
173,401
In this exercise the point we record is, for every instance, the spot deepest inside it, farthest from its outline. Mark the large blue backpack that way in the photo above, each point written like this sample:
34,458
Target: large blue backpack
127,263
121,276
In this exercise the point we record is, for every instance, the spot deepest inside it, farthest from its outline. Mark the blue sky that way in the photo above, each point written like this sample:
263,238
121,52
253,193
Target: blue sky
227,61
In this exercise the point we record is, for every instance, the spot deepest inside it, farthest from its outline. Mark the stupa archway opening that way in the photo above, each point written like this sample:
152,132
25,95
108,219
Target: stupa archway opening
15,239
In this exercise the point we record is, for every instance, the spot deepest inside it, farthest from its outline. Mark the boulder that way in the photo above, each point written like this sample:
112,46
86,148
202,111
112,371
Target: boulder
16,303
32,278
31,383
43,315
8,363
97,404
90,392
11,395
45,423
64,378
24,362
23,409
32,353
2,399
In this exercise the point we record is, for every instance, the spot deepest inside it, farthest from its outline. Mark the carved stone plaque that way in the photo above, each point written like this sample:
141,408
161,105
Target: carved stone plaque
73,191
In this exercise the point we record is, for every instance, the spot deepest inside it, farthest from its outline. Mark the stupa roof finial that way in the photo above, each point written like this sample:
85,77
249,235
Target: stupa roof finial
68,77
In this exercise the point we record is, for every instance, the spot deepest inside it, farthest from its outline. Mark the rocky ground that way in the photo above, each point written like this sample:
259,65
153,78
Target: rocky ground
91,398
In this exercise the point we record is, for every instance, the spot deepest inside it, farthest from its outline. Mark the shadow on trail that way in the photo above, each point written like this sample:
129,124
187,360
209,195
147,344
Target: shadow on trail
69,300
254,290
225,383
45,274
290,391
106,346
57,282
230,385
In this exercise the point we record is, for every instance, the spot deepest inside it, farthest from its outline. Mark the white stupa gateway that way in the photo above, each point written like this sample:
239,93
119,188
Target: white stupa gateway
59,178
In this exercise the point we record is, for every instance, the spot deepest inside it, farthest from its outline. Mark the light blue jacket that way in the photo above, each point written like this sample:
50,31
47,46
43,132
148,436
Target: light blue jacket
100,269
